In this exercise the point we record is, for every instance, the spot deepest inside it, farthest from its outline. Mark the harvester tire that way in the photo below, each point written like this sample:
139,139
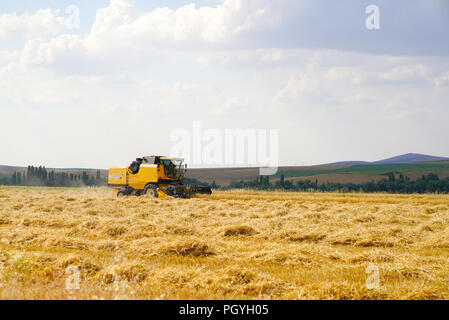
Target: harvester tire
121,193
151,190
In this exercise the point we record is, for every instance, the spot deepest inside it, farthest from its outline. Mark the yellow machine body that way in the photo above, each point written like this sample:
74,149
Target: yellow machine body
118,176
148,173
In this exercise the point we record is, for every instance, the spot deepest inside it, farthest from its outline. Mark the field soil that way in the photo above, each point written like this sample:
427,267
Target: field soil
88,244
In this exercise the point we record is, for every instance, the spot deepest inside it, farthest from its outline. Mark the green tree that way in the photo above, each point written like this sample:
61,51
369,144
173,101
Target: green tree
85,178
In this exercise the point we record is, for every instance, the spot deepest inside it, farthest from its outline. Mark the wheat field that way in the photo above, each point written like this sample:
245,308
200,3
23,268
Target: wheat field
88,244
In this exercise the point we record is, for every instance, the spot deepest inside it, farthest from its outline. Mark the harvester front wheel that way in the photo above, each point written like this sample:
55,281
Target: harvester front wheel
151,190
121,193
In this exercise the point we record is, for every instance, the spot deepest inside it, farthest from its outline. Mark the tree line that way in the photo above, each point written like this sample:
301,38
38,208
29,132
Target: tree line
395,182
40,176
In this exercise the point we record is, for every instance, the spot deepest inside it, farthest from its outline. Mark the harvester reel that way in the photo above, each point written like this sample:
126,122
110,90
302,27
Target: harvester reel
171,191
176,191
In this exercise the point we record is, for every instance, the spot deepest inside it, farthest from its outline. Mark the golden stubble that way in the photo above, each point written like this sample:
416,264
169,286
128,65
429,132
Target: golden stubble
232,245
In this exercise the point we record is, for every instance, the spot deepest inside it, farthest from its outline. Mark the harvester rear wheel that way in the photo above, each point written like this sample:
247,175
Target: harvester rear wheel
151,190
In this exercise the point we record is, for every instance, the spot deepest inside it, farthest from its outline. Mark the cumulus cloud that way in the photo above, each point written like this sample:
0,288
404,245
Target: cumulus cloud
407,72
188,23
121,29
42,22
395,87
8,59
442,80
298,86
234,105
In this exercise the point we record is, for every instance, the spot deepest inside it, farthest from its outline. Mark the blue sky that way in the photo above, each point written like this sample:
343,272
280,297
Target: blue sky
334,89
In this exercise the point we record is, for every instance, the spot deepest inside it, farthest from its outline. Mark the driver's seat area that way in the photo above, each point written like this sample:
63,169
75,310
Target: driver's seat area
135,165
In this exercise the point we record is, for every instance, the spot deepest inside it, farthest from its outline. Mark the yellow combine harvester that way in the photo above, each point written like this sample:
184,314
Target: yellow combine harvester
155,176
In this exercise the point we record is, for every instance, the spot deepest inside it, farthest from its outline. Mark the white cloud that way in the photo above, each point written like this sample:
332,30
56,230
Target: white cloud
406,72
231,106
42,22
7,60
8,56
300,86
351,74
442,80
254,57
123,32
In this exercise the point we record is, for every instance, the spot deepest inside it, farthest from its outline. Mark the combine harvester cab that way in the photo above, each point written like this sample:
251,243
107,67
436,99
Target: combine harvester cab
155,176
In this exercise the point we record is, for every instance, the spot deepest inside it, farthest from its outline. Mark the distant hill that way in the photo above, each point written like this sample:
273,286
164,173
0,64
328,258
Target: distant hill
11,169
411,158
346,163
404,158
